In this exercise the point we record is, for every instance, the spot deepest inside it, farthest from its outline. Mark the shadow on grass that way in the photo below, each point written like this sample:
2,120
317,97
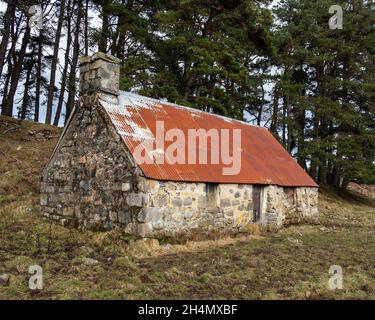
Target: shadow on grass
348,196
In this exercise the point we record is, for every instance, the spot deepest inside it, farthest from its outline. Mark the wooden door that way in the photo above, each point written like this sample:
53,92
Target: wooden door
257,195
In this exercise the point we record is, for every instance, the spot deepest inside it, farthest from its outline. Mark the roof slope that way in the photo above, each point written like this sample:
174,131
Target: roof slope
263,159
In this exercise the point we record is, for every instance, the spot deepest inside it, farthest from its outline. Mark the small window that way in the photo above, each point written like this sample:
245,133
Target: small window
211,189
289,192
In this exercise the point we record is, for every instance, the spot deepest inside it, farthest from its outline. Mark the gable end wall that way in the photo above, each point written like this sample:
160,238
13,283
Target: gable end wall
87,180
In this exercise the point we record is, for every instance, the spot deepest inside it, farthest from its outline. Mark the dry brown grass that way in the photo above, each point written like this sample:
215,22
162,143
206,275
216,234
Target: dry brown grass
24,150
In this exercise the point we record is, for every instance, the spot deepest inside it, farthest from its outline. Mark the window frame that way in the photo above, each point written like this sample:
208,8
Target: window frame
211,195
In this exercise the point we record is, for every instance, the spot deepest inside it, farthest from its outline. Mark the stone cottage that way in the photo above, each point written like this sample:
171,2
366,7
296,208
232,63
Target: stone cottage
95,179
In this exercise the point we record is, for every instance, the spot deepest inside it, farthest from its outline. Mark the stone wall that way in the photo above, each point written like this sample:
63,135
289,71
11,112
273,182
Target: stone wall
178,207
282,205
87,181
100,72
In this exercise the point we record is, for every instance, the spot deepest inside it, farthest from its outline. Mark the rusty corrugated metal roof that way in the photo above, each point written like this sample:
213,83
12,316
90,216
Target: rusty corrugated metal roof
263,159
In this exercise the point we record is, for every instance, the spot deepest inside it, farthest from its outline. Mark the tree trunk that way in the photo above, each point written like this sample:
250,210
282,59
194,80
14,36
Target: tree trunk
11,59
288,124
65,70
87,28
336,178
6,85
314,158
260,111
118,45
284,123
72,74
38,79
189,80
105,29
8,76
323,172
301,119
25,98
5,32
8,105
275,110
51,89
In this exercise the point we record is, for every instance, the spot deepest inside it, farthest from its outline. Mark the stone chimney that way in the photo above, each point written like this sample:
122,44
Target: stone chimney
99,72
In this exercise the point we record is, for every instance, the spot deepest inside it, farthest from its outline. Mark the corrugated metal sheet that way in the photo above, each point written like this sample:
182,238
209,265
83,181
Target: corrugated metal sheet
263,159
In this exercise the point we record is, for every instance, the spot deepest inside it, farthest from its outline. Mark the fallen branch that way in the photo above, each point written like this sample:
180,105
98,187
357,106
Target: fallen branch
8,130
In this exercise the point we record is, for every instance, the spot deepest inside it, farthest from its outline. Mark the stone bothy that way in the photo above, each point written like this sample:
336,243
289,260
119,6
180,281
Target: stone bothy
95,178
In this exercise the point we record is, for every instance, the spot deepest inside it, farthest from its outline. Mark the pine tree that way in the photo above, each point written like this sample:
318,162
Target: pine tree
323,84
56,47
202,54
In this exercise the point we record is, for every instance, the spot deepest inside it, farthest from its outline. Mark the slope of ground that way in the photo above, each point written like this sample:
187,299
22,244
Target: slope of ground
364,189
290,264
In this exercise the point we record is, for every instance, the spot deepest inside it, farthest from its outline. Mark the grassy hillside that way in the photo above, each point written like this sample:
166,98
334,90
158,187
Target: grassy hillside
292,263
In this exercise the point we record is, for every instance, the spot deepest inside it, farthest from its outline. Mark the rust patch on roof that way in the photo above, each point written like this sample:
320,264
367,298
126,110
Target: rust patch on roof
263,159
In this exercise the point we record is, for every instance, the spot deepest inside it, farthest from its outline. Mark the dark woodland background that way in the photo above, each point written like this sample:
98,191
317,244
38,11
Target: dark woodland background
278,65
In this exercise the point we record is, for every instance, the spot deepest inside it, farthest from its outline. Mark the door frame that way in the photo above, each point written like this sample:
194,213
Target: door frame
259,218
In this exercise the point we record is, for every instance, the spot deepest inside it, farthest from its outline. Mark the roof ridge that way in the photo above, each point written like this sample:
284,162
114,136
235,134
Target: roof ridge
189,108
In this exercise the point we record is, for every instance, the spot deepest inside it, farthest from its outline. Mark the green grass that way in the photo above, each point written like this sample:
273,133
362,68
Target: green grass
290,264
